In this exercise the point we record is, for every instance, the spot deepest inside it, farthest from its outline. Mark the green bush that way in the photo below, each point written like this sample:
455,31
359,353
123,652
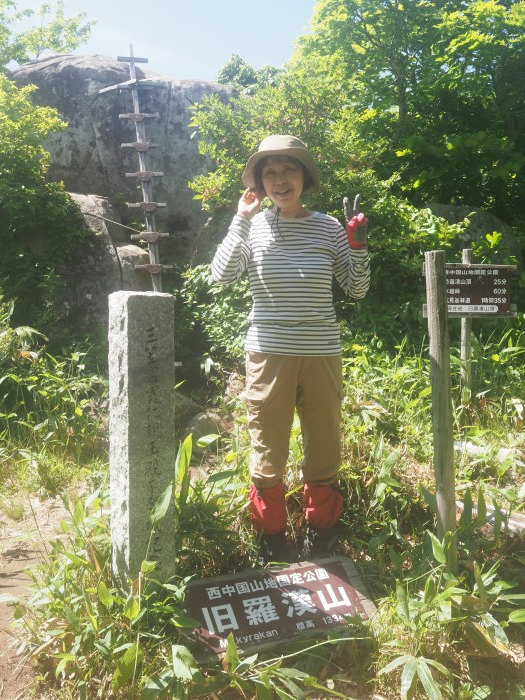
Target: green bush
51,411
39,224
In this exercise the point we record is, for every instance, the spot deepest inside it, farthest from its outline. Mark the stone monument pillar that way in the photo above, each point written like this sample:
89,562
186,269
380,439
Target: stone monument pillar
141,429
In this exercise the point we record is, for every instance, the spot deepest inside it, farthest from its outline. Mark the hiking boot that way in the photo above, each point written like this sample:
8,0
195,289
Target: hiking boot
318,543
274,548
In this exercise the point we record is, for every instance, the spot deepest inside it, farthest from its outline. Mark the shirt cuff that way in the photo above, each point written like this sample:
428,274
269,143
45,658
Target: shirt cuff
241,225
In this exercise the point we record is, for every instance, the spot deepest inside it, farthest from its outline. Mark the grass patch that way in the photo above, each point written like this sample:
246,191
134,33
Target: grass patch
436,633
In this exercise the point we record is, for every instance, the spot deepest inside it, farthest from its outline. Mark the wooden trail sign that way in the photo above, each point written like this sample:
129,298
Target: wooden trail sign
478,290
463,290
441,398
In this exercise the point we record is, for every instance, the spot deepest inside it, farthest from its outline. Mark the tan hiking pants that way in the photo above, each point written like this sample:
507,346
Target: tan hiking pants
275,386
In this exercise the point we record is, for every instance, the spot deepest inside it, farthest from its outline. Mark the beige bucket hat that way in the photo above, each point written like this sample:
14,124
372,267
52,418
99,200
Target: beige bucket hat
282,145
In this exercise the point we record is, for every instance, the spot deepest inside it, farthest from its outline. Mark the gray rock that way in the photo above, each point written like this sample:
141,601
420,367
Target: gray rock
481,223
206,423
500,454
141,438
185,409
88,156
103,263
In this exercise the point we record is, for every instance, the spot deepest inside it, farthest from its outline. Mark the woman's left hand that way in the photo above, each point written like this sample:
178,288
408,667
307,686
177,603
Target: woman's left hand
357,226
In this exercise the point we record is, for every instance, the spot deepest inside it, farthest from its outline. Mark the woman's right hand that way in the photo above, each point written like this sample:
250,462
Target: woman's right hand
249,203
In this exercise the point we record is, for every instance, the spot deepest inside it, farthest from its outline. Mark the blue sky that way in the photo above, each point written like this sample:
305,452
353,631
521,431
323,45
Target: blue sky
193,38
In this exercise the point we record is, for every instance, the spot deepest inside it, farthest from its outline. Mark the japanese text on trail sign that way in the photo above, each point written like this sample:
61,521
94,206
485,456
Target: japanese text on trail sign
262,607
479,290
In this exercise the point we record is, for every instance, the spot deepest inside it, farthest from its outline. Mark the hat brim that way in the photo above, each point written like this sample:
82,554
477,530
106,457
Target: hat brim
301,154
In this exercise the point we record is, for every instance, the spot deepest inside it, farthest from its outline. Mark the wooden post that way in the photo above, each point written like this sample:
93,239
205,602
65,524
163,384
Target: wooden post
466,332
435,276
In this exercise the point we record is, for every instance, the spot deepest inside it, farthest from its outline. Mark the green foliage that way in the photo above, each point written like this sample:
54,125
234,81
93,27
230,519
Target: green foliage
495,397
90,634
24,127
219,311
437,92
50,399
13,341
53,31
447,613
39,224
388,396
305,107
243,77
435,631
309,105
50,410
384,97
207,512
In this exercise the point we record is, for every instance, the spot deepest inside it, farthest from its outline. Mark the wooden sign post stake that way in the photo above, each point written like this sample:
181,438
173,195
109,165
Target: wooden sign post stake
435,275
466,336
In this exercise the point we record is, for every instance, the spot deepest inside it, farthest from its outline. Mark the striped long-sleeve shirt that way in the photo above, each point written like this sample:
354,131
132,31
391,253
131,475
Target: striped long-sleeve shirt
291,264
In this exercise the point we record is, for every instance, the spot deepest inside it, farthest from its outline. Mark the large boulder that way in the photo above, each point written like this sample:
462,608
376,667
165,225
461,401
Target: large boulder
104,262
480,224
89,159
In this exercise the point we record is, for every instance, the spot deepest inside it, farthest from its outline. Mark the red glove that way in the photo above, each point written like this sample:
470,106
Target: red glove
356,230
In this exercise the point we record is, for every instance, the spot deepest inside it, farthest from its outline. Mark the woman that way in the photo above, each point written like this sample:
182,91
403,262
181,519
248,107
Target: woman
293,358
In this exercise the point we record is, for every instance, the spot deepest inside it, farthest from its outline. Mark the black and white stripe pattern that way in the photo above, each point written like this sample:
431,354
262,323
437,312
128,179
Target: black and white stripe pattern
290,264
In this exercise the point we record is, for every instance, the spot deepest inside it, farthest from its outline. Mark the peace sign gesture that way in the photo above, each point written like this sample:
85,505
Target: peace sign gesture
356,224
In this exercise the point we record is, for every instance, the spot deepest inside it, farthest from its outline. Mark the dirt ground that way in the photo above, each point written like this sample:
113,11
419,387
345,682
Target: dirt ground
22,545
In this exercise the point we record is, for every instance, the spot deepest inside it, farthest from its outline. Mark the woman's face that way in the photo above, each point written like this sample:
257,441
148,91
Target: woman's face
283,182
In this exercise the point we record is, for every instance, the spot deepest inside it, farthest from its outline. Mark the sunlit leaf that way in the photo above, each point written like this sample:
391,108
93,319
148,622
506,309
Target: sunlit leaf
131,608
104,595
161,506
182,469
407,677
437,549
429,684
517,615
183,662
127,666
146,567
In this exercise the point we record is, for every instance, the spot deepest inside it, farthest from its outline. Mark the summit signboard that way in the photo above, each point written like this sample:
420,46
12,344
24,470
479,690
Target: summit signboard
266,606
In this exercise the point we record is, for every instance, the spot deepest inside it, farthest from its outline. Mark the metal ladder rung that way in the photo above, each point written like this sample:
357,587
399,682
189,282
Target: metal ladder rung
138,116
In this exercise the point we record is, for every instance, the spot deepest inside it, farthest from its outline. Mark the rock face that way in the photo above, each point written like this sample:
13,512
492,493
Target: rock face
88,156
103,263
481,223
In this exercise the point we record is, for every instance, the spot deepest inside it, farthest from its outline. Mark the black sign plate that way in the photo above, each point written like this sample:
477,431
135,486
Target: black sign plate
266,606
479,290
